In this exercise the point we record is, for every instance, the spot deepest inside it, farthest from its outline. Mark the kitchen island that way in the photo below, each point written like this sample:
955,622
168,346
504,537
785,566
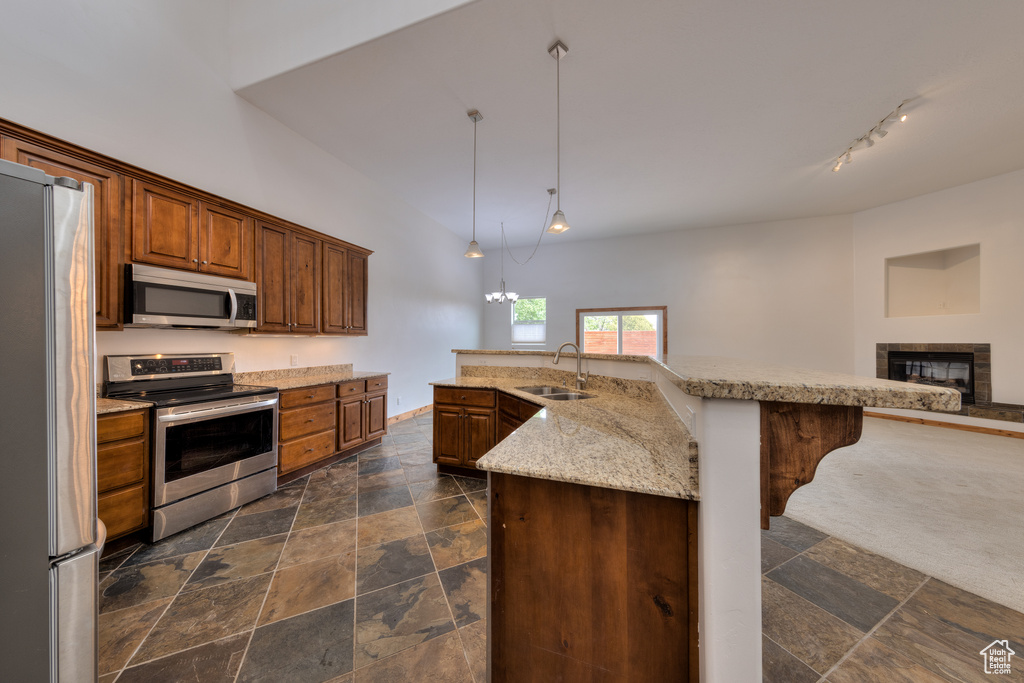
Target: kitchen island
748,433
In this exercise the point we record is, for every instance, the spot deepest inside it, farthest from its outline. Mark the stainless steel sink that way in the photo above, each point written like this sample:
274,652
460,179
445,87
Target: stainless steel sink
570,396
555,393
544,391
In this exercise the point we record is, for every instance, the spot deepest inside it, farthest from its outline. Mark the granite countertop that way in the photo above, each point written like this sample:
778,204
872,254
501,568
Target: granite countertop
715,377
624,438
295,378
105,406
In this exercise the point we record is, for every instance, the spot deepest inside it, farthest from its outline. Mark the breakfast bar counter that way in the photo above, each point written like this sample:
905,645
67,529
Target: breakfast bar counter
738,436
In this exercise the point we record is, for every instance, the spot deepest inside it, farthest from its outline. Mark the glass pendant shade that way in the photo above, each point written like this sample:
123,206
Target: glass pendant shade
473,251
558,223
502,296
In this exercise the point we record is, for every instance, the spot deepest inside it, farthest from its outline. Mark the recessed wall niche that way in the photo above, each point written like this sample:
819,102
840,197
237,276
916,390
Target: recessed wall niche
944,282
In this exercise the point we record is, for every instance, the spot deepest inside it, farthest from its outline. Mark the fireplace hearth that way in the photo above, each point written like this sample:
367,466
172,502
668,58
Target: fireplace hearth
949,375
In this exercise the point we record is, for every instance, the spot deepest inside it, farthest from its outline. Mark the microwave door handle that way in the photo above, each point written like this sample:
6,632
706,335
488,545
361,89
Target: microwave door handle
234,306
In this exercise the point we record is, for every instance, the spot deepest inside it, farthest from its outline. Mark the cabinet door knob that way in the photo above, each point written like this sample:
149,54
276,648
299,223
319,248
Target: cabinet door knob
195,260
463,398
205,262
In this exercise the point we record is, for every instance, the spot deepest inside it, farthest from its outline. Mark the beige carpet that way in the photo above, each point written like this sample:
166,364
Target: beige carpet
946,502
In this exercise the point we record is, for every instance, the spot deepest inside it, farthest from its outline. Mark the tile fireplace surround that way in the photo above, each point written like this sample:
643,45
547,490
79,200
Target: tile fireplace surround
983,406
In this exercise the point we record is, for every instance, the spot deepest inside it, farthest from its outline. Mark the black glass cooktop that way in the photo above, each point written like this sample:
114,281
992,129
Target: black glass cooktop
164,393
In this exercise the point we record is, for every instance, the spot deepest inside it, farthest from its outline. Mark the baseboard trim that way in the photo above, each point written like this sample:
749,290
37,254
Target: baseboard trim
412,413
947,425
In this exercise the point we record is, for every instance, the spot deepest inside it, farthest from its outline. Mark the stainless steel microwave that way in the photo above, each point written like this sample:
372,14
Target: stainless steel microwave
159,297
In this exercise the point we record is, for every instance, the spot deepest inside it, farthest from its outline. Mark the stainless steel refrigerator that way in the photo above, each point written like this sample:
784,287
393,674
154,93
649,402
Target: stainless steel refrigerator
51,536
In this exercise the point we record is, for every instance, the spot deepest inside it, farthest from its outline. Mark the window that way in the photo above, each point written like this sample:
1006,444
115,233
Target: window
636,331
529,321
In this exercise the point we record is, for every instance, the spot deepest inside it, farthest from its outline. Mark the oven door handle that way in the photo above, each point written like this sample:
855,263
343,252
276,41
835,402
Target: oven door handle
234,306
204,413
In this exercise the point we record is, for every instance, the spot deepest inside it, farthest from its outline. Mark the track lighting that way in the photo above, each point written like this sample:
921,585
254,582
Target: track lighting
866,139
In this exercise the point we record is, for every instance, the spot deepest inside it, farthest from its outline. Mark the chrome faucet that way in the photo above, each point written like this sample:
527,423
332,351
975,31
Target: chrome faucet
581,379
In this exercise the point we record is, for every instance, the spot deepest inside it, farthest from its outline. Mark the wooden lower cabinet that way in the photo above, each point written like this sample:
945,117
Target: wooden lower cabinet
317,423
464,425
590,584
122,471
469,422
306,427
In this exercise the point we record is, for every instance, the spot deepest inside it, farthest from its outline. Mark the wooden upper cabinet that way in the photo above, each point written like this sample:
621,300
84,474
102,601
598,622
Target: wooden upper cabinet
334,289
107,217
273,268
225,242
344,290
355,297
165,227
287,280
305,289
176,230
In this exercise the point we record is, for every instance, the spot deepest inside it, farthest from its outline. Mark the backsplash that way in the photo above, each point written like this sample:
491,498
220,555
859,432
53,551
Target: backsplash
632,388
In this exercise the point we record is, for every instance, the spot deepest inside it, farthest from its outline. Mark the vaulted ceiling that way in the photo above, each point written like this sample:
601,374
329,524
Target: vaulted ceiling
676,114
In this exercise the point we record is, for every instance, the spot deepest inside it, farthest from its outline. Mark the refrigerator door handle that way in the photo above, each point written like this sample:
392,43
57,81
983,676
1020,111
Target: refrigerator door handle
72,414
74,608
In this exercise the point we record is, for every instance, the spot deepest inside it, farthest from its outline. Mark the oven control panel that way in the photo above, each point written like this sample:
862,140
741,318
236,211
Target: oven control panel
169,366
153,366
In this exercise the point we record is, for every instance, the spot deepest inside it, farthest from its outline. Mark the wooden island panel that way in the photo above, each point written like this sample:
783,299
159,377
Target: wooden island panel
590,584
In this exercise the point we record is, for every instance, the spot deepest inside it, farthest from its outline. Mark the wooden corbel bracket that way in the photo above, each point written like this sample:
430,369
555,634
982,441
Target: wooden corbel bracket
794,439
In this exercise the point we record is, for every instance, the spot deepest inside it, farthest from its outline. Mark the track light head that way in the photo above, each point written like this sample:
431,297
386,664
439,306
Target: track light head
839,165
881,133
848,159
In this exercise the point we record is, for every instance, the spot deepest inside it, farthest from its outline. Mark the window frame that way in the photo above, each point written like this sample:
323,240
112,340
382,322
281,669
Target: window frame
662,311
512,317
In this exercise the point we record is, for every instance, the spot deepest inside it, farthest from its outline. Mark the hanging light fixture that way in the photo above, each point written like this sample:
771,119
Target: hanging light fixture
474,248
558,222
501,296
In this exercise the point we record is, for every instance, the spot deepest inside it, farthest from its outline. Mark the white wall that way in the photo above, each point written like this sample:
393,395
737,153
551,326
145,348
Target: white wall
780,292
989,212
143,82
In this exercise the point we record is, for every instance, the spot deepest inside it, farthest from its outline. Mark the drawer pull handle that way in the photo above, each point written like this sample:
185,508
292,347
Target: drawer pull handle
310,450
311,396
311,420
463,398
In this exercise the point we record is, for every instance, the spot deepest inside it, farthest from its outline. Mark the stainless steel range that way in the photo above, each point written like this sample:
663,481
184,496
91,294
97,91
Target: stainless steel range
214,442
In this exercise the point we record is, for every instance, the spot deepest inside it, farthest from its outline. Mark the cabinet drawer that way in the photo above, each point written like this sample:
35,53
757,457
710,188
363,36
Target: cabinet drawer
351,388
464,397
302,452
377,384
123,511
304,421
120,426
120,464
306,395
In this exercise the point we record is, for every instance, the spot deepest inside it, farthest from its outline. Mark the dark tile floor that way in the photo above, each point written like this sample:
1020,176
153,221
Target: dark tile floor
375,570
834,613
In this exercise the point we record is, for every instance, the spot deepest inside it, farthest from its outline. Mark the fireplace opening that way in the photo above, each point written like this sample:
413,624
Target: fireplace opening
954,370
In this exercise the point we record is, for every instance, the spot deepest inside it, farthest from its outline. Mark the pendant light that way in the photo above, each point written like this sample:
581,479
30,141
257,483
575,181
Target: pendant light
474,248
558,222
501,296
